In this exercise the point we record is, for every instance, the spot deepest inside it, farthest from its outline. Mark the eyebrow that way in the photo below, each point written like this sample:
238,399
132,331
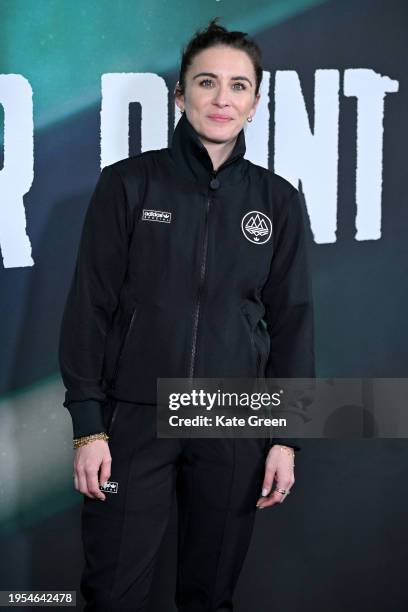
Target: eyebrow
214,76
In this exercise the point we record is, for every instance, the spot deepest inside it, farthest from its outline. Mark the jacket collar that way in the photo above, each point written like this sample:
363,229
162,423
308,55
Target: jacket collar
194,161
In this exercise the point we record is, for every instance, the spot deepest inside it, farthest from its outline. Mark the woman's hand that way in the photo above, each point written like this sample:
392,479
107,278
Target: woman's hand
87,461
279,466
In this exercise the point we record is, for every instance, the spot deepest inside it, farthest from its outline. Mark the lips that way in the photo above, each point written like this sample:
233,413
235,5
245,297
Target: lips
220,118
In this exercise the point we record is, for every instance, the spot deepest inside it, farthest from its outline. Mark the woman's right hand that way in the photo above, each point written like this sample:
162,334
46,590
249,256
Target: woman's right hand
88,459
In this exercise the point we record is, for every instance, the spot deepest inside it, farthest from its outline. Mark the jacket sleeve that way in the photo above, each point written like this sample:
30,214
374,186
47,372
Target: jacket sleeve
287,297
92,300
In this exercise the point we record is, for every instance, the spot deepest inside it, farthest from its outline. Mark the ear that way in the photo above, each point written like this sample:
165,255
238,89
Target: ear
179,97
256,101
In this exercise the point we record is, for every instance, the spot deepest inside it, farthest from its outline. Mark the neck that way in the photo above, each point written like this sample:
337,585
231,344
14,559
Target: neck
197,159
218,152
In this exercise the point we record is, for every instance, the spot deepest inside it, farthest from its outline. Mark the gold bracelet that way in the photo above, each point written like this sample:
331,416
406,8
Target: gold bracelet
288,450
85,439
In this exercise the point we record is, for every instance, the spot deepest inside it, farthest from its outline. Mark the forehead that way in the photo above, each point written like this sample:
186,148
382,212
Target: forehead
223,60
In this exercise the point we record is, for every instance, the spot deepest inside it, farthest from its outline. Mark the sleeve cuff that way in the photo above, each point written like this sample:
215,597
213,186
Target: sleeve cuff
87,417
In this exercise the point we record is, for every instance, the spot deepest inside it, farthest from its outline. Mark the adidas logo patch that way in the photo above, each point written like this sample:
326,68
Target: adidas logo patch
110,487
156,215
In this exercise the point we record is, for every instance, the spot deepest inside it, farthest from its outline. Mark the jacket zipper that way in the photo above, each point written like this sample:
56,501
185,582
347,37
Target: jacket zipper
202,275
121,353
200,289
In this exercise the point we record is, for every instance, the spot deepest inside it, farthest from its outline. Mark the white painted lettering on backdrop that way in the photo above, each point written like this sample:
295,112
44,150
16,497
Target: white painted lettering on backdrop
305,153
16,176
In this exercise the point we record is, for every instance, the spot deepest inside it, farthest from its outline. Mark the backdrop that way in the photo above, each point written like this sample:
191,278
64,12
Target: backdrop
85,83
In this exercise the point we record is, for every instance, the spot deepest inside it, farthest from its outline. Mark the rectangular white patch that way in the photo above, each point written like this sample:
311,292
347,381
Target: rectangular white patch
156,215
110,487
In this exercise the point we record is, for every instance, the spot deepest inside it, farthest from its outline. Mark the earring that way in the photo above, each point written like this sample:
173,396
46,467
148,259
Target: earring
249,119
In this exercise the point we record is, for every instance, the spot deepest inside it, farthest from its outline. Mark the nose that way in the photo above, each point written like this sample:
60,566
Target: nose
221,95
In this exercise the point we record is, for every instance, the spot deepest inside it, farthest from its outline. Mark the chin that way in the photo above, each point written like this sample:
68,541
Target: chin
219,135
220,128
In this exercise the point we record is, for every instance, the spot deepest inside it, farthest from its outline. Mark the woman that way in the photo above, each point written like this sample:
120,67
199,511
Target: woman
192,263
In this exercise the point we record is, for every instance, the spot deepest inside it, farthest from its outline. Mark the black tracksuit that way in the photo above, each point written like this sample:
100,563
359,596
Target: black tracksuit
182,271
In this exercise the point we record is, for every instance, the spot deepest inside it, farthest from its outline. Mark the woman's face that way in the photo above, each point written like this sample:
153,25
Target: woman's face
216,102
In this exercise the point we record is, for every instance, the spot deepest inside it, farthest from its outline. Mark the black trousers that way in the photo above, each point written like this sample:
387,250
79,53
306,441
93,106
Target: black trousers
217,483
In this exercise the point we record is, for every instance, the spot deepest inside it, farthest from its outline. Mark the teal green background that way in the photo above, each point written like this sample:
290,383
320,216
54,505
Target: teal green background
339,542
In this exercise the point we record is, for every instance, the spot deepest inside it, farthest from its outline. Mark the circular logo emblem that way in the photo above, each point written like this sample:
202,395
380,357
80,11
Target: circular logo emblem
256,227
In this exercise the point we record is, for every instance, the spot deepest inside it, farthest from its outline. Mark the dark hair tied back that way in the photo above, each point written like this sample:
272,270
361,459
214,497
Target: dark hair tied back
213,35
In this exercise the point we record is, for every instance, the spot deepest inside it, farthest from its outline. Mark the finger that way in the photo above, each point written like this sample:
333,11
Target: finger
82,484
274,498
269,476
277,497
93,484
105,471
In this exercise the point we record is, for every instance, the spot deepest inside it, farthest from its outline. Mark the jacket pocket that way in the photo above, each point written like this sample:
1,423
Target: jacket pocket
113,416
255,341
264,346
123,346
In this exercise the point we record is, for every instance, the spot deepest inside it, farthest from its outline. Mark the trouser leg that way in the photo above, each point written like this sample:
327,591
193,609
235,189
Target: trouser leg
121,536
218,485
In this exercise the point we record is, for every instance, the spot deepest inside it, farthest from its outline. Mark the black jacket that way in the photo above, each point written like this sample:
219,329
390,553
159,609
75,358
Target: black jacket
183,271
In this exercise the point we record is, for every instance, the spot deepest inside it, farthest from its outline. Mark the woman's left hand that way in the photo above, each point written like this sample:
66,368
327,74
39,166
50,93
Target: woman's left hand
279,466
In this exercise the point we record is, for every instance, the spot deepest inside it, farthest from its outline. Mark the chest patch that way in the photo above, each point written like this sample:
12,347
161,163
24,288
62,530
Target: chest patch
156,215
256,227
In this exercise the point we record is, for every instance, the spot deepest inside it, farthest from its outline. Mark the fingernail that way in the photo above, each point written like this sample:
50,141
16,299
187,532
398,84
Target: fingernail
260,507
264,492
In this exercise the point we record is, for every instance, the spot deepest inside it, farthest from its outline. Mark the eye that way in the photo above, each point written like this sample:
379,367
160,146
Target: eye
242,85
205,81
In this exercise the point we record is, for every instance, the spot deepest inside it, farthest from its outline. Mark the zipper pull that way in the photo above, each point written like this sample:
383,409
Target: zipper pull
214,183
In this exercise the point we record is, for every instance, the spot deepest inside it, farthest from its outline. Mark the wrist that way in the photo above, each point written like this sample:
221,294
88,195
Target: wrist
286,449
77,442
